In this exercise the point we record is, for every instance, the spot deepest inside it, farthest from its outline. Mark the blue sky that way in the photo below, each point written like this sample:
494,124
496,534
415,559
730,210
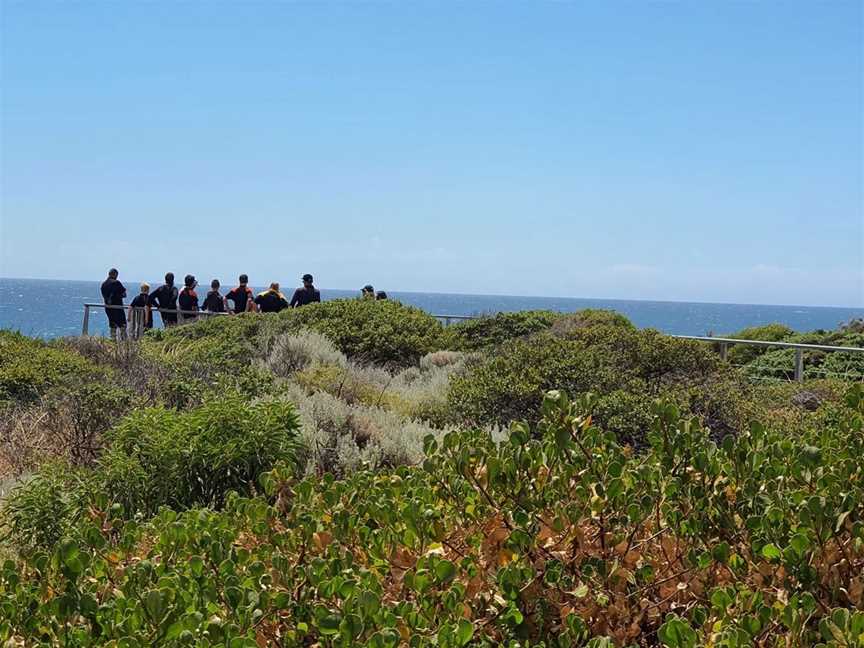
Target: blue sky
684,151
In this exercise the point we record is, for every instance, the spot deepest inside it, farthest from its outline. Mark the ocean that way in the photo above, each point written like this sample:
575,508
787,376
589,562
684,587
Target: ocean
52,309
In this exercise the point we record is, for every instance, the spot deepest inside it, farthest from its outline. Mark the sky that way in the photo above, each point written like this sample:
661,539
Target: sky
691,151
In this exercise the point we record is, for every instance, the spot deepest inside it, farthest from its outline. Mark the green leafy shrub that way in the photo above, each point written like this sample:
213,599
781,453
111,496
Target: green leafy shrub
160,457
157,457
557,537
383,332
506,386
492,330
566,323
29,367
740,354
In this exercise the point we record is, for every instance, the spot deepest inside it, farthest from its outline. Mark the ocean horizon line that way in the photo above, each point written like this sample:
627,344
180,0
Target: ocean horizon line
507,295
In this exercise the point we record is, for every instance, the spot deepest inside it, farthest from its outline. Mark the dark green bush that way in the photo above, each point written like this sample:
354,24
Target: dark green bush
158,457
383,332
632,367
492,330
740,354
29,367
566,323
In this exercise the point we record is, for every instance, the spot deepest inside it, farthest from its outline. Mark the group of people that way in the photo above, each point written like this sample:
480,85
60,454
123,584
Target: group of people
180,305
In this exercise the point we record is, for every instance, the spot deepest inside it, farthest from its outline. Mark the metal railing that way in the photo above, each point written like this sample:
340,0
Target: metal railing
722,343
447,320
140,311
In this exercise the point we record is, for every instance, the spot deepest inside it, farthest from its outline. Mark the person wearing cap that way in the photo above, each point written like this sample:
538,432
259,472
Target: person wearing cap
368,292
140,313
305,295
188,298
271,300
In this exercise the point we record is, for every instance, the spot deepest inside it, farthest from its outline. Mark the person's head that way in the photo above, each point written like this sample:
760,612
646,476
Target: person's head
274,286
244,279
215,284
307,280
169,278
381,295
367,292
189,281
145,288
112,273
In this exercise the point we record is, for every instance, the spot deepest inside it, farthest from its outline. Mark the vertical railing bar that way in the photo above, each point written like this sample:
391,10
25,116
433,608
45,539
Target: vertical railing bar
85,326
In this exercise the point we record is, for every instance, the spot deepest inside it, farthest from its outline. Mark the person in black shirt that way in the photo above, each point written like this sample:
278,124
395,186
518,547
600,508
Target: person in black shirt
140,314
307,294
165,296
113,293
271,300
188,298
214,302
241,296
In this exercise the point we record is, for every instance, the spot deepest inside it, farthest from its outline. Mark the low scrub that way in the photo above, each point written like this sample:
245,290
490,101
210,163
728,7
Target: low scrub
29,367
631,367
157,457
381,332
341,438
493,330
558,537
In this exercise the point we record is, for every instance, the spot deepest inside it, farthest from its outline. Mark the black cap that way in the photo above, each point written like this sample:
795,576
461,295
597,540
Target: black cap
307,277
368,288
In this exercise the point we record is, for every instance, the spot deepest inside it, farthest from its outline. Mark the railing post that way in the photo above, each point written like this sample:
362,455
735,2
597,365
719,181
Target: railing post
724,351
85,326
799,365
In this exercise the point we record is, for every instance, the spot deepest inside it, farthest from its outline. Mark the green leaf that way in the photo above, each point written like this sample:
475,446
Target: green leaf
329,625
154,603
445,571
464,632
772,552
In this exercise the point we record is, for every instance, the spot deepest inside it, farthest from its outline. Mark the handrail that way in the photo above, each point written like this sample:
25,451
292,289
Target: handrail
85,324
769,343
153,308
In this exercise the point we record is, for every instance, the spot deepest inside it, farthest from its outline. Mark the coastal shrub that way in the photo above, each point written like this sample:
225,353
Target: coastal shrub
383,332
558,537
415,392
66,424
157,457
740,354
340,438
506,386
29,367
290,353
566,323
492,330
